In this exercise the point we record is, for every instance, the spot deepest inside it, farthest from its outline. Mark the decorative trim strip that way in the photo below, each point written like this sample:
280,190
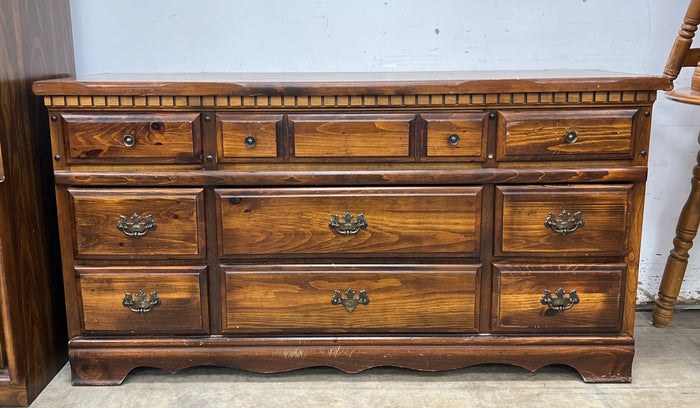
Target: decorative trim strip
345,101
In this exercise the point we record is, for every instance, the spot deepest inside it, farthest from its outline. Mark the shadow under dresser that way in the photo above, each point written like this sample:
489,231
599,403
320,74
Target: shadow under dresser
270,222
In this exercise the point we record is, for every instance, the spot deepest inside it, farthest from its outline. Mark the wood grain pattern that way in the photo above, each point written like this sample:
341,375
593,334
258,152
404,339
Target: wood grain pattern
267,176
419,221
158,137
402,299
178,214
469,127
181,290
523,210
232,130
519,288
35,43
340,137
528,135
351,83
107,362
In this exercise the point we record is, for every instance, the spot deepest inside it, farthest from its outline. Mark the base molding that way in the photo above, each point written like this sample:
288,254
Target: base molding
109,362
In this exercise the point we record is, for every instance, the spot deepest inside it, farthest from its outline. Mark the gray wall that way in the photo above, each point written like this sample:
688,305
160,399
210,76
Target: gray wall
391,35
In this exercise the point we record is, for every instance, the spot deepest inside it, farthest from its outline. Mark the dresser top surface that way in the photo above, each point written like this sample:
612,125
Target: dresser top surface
350,83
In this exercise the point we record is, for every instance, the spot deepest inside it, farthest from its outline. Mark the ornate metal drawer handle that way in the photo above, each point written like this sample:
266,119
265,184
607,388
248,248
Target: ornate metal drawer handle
561,302
565,225
141,304
347,227
350,302
137,226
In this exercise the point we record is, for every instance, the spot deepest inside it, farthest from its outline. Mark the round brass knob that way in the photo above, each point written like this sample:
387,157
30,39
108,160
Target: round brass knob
453,139
249,141
128,140
571,137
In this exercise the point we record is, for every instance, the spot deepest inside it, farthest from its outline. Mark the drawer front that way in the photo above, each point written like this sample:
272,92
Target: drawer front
420,221
347,137
387,299
247,136
459,135
138,223
133,138
162,299
565,135
574,220
522,305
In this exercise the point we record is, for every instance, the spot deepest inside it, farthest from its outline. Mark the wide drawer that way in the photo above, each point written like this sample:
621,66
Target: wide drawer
247,136
331,222
565,134
132,138
143,300
350,299
338,137
138,223
558,298
572,220
459,135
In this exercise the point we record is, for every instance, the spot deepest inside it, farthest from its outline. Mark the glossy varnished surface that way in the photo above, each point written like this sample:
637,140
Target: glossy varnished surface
409,222
519,287
402,299
349,83
181,290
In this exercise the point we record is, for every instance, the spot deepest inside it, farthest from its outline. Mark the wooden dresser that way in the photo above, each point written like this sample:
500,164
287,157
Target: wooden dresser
276,221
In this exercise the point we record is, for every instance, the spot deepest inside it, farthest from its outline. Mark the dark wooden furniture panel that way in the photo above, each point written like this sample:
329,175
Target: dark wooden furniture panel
460,135
274,299
247,136
162,299
417,221
133,137
589,299
349,137
138,224
423,199
560,221
564,135
35,43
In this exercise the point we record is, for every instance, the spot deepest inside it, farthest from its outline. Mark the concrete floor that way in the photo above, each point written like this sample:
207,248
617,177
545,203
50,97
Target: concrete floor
666,372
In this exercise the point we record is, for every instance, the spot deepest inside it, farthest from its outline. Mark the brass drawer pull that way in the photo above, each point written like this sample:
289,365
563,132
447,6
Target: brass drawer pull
141,304
347,227
350,301
571,137
565,225
453,139
128,140
137,226
562,301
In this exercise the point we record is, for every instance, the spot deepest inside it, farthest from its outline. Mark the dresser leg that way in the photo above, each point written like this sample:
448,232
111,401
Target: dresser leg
678,259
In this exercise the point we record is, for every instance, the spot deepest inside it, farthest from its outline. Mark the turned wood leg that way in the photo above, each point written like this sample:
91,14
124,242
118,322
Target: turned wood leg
678,258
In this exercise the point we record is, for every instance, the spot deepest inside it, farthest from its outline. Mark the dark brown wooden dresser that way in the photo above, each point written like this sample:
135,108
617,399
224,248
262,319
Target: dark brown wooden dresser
35,43
270,222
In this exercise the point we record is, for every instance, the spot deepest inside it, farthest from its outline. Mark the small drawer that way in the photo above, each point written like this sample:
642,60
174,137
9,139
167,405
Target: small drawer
350,299
565,135
149,138
143,300
349,222
558,298
458,135
351,137
138,223
574,220
244,137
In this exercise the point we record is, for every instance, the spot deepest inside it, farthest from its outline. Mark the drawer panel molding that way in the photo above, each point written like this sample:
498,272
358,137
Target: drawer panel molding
350,298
